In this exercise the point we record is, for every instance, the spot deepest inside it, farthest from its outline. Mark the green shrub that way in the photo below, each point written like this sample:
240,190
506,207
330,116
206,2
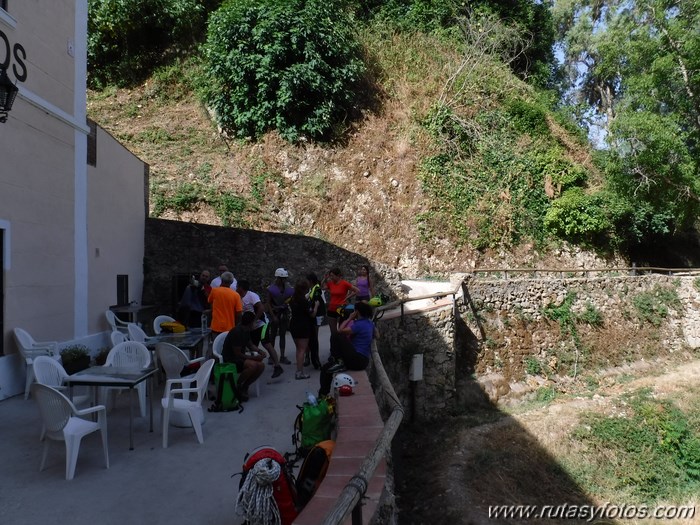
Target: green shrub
289,65
652,306
652,451
128,38
584,217
591,315
545,394
230,208
532,366
527,117
429,16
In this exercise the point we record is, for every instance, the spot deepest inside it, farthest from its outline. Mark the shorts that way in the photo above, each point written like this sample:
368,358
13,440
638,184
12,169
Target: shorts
261,335
359,298
301,330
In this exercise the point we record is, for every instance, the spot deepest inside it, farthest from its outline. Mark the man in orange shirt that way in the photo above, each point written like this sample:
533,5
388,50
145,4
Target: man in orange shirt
226,306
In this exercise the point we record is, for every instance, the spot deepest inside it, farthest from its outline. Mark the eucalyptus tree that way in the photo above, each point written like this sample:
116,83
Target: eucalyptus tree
636,64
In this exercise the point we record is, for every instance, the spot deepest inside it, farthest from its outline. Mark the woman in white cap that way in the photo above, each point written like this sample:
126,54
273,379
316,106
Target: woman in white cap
278,295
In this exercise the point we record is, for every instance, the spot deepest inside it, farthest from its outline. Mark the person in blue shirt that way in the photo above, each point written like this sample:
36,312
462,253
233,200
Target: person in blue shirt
351,347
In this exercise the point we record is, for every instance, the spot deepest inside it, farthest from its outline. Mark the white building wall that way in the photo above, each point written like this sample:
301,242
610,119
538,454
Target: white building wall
116,226
55,211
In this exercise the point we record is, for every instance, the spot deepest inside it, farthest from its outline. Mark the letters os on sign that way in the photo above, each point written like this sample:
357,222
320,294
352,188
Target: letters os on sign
14,55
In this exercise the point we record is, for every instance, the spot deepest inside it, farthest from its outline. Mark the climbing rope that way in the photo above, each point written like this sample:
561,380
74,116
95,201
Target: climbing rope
255,498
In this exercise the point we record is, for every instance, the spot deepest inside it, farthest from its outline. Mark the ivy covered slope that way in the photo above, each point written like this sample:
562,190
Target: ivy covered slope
502,157
421,134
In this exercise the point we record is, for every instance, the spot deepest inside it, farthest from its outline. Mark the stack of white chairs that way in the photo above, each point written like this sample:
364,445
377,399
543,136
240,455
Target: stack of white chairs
30,349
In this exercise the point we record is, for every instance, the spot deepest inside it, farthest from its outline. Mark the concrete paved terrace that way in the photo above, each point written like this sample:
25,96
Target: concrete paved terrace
187,483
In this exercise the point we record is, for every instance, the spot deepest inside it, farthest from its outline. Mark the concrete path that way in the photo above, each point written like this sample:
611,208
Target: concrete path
187,483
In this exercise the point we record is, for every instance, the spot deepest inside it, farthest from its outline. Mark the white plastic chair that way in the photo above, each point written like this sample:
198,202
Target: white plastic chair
197,384
115,323
63,422
218,345
161,319
50,372
217,349
136,333
130,354
118,337
174,360
29,349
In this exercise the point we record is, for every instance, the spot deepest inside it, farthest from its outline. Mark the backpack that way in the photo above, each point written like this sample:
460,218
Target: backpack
313,424
313,470
315,294
266,493
225,379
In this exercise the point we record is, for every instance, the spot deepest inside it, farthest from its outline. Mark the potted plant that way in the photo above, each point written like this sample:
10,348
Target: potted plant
75,358
101,357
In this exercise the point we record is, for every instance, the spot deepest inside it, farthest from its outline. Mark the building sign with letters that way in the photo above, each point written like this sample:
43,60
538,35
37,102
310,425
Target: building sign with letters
12,57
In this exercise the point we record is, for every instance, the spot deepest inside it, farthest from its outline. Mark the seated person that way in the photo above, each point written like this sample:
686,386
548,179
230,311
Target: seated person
351,347
249,367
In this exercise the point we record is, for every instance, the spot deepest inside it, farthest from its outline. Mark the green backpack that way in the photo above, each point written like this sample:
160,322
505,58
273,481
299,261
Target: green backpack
226,379
313,424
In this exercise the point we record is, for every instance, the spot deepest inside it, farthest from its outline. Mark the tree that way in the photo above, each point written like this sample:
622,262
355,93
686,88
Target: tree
637,64
127,38
290,65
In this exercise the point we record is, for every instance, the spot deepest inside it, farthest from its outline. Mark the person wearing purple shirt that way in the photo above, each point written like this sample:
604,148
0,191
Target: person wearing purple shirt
351,347
364,285
278,295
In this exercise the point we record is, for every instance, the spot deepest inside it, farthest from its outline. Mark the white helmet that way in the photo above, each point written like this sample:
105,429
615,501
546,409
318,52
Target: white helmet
343,379
281,272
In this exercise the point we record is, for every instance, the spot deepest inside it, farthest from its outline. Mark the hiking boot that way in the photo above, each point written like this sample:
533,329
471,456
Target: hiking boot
338,367
285,361
277,372
301,375
307,359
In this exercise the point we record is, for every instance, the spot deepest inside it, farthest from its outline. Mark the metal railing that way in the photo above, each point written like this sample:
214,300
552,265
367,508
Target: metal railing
381,310
505,273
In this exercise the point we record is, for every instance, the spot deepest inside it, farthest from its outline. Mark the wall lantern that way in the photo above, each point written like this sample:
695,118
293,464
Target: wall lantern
8,92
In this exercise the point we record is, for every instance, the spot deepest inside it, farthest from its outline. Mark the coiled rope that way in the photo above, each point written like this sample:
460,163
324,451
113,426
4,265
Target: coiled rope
255,499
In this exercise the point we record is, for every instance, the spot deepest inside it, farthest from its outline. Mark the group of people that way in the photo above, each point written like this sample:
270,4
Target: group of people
300,309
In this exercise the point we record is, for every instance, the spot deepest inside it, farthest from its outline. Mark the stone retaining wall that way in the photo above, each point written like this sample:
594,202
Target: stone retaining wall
432,334
179,248
504,338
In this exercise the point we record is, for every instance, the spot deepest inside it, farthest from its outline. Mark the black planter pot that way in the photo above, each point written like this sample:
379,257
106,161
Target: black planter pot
77,365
